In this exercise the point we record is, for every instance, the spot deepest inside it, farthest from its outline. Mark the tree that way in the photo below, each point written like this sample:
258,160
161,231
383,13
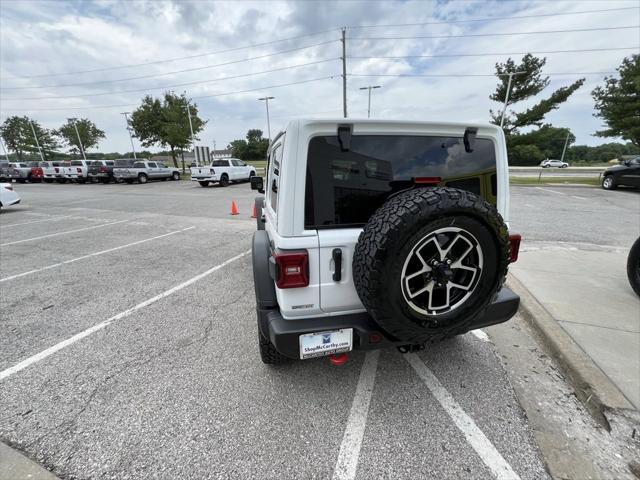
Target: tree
17,133
529,82
618,102
166,123
253,148
89,134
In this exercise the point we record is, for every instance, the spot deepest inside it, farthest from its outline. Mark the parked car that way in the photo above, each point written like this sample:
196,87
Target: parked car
143,171
8,195
5,171
102,170
380,233
53,171
222,172
23,172
553,163
78,171
626,174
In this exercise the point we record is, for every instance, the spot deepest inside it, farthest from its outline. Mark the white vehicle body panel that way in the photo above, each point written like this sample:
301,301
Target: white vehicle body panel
8,195
285,225
78,171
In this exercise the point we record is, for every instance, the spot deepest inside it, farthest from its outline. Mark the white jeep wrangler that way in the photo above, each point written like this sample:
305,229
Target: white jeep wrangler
380,233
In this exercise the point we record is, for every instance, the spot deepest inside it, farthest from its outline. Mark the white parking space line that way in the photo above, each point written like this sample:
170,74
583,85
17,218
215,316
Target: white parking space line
579,198
85,333
552,191
347,463
66,262
62,233
477,333
480,443
36,221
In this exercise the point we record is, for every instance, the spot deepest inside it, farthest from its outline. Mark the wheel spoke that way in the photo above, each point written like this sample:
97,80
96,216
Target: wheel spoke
458,262
427,288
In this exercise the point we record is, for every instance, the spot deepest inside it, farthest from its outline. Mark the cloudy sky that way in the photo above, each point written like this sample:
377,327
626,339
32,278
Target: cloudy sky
95,59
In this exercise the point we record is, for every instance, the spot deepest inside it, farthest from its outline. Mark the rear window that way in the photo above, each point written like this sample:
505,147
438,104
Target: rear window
220,163
76,163
139,165
97,163
123,163
346,188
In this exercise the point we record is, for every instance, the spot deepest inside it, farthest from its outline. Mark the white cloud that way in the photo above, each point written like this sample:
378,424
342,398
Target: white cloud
45,38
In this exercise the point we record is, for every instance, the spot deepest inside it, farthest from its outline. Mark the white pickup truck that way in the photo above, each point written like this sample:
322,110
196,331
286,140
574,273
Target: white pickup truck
223,171
53,171
78,170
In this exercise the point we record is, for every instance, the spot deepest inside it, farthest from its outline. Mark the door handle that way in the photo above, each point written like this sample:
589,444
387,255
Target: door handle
336,255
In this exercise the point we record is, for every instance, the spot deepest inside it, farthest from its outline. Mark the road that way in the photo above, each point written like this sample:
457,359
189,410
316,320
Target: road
128,348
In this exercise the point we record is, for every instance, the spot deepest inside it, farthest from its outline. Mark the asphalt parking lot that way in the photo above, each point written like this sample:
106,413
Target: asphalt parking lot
128,350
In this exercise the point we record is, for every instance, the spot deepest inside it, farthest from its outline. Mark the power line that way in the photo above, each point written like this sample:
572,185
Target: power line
447,55
100,82
496,34
91,107
490,19
55,97
199,55
447,75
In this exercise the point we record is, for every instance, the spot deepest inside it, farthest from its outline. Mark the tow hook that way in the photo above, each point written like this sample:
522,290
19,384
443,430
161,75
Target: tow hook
338,359
410,348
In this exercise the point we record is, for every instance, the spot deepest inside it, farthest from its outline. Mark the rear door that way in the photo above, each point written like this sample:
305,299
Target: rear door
344,188
631,176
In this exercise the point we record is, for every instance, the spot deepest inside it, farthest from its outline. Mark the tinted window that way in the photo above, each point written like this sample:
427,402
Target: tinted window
123,163
235,163
345,188
96,163
161,165
138,165
110,163
152,165
77,163
276,159
220,163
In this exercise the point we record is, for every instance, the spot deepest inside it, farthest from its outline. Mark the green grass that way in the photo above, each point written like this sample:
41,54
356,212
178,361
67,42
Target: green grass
259,164
554,180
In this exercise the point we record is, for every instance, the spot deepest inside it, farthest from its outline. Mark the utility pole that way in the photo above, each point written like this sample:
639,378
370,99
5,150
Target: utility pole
75,125
266,101
126,118
344,71
370,87
37,143
506,97
564,150
193,141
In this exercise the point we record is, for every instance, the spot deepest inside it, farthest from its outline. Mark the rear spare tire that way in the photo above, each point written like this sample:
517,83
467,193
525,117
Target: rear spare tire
429,262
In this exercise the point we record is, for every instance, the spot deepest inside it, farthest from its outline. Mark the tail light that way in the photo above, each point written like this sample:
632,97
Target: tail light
56,169
79,170
292,268
213,171
427,180
36,171
514,246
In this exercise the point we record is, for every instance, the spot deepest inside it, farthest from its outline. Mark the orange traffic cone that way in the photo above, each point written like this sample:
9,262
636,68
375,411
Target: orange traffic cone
234,208
254,214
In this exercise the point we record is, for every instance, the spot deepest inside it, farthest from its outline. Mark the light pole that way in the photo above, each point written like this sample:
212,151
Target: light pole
506,97
126,118
193,142
4,149
370,87
75,125
266,101
37,143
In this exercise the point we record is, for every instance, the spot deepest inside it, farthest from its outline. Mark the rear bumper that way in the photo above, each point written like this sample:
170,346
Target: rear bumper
205,179
284,334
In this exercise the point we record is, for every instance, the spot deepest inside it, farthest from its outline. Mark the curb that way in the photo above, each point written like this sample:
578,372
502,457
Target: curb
592,387
16,466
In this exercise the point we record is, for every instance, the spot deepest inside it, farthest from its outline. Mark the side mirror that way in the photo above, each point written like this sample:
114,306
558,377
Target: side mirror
257,183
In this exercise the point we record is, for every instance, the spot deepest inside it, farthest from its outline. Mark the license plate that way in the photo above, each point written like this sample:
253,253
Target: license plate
326,343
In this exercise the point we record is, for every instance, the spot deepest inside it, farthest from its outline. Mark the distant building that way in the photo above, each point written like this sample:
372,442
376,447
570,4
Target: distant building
220,154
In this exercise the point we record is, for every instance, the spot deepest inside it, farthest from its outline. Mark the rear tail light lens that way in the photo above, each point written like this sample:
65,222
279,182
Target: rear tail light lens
292,268
56,169
427,180
103,169
514,246
213,171
79,170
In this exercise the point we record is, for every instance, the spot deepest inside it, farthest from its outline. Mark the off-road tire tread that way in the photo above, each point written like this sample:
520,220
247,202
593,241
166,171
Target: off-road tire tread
385,227
633,260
